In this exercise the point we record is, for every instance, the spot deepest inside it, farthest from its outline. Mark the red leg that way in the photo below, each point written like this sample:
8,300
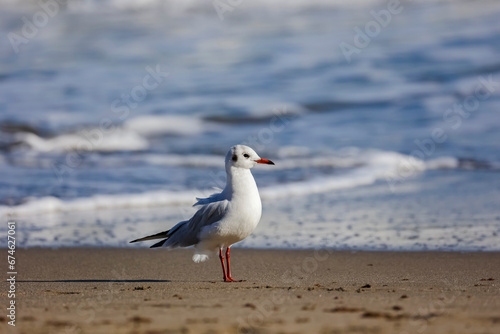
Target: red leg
230,279
221,257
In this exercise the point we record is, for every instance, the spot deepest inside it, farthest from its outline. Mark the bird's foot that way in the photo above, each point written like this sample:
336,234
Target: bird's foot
230,279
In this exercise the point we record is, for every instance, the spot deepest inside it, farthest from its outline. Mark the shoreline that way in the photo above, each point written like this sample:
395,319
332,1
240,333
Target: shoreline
131,290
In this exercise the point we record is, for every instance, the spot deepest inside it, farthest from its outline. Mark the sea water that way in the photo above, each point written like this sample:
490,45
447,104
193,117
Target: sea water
383,119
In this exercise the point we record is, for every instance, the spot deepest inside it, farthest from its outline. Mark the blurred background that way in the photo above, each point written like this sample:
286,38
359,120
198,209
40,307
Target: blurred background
383,118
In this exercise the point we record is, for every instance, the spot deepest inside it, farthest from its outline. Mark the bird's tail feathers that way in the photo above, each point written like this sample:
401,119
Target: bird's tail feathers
159,244
160,235
164,235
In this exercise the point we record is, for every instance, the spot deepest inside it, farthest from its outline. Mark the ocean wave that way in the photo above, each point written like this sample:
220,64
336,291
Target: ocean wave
362,169
51,204
366,169
85,140
371,166
282,163
132,135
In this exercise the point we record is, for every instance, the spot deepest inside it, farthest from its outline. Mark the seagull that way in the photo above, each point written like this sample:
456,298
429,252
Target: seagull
224,218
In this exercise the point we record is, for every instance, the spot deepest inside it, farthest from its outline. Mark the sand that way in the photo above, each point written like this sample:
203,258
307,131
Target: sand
92,290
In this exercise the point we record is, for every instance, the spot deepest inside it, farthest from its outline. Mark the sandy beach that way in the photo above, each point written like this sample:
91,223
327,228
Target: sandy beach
92,290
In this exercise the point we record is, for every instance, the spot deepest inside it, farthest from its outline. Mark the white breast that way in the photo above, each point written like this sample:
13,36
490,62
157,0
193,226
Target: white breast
244,209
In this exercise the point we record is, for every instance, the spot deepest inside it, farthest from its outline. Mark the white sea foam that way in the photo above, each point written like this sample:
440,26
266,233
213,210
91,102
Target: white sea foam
73,222
372,166
51,204
363,169
132,136
313,225
289,158
367,169
364,236
86,140
200,160
442,163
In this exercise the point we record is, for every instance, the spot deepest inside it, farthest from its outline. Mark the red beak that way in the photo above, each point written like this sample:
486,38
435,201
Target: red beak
264,161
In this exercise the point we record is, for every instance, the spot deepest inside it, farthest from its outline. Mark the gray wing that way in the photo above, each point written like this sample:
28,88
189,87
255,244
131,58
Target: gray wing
210,199
186,233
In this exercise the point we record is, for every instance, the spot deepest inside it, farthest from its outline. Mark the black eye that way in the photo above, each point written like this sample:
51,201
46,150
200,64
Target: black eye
246,155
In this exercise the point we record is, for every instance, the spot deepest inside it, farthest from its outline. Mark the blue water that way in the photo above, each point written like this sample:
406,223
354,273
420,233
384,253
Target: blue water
114,115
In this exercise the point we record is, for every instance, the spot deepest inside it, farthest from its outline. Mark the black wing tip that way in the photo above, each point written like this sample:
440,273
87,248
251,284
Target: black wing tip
164,234
140,239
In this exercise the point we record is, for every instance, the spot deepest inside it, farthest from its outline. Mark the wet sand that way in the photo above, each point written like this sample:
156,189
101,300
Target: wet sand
93,290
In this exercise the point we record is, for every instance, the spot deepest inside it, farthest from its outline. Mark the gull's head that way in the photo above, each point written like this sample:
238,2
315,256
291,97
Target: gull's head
242,156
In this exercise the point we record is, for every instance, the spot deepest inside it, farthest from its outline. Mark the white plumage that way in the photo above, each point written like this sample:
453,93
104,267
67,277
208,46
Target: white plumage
224,218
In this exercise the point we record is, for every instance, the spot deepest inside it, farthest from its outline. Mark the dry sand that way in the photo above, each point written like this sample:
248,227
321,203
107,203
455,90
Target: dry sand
90,290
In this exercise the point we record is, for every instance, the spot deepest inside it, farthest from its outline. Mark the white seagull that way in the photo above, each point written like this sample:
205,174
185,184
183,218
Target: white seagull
225,218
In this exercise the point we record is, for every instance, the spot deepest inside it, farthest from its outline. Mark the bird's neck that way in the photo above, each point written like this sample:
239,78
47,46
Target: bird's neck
240,182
